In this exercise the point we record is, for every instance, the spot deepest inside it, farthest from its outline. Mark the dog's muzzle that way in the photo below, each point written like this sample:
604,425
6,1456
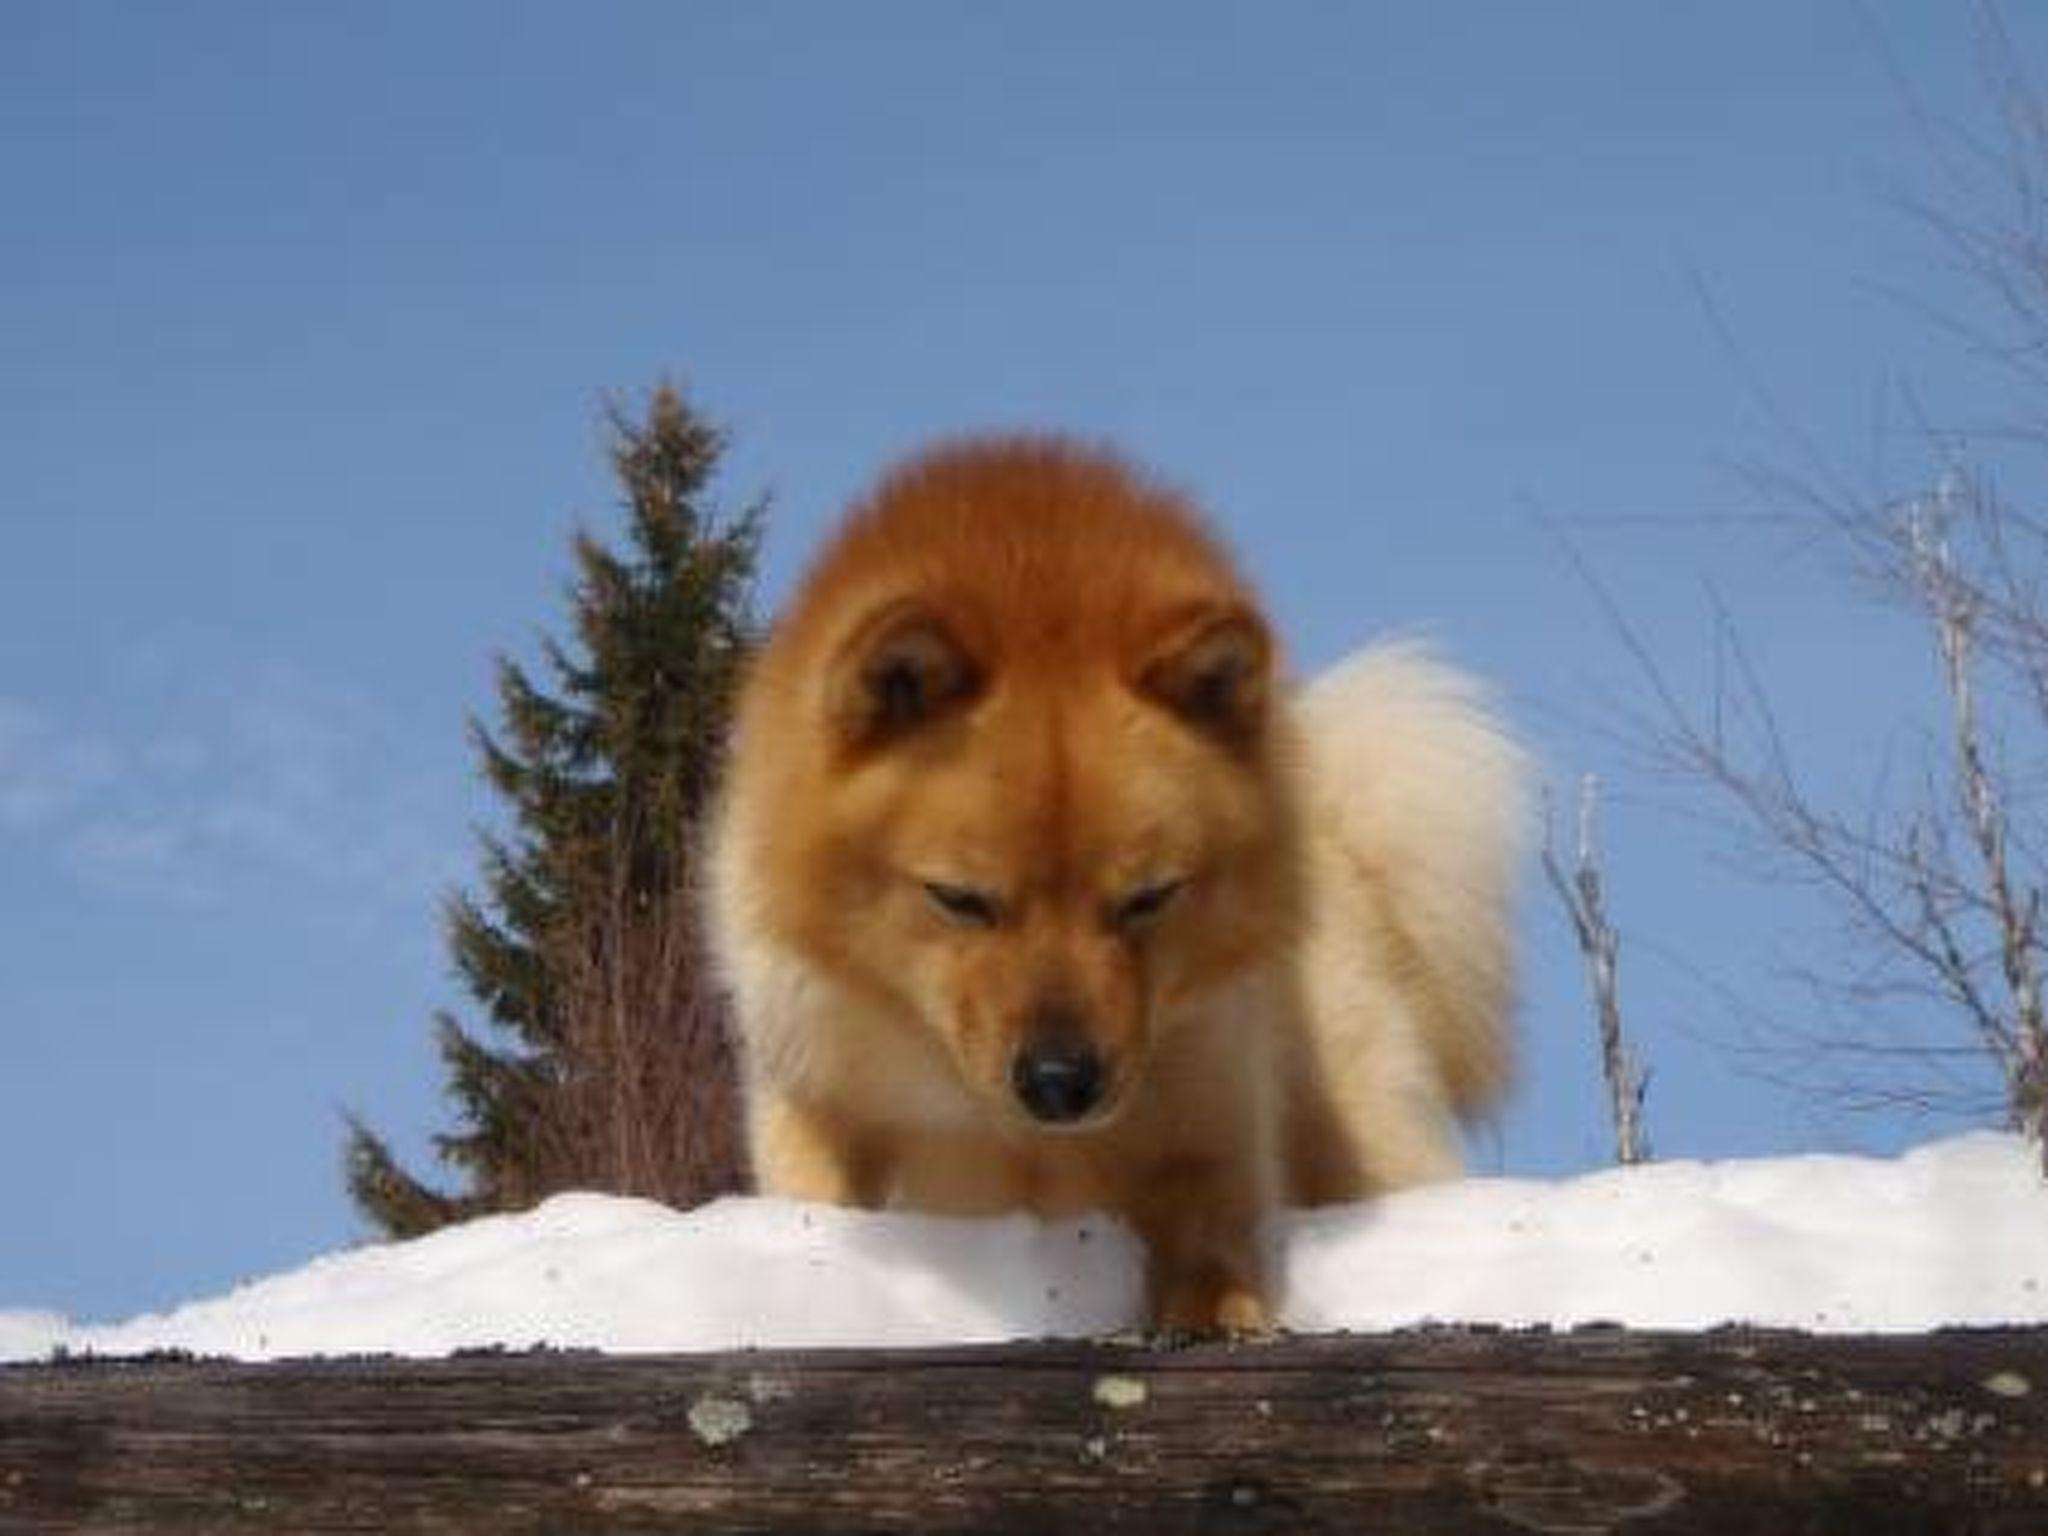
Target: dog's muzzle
1059,1082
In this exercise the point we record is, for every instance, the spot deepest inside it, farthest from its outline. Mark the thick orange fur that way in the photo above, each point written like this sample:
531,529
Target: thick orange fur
1024,672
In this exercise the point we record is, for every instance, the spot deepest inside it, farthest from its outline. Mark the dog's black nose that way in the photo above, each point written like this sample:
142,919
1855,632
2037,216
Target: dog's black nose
1058,1082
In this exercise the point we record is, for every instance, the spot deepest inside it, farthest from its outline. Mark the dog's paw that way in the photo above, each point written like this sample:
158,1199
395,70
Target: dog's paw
1242,1313
1210,1307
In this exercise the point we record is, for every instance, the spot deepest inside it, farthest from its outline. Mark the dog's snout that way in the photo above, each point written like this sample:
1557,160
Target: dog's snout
1059,1080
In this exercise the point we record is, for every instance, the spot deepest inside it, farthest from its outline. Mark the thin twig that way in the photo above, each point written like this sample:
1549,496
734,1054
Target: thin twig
1583,896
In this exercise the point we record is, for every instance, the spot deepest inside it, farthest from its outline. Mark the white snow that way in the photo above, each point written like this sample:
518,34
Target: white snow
1953,1233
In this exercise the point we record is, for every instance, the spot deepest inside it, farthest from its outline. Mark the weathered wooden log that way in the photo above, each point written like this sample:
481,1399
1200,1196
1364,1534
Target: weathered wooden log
1730,1433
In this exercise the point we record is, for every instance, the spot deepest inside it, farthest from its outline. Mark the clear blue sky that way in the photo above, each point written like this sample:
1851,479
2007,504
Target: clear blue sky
306,313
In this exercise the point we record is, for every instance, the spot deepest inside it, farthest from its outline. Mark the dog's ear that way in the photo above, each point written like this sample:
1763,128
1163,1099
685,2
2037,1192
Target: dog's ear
1214,670
903,669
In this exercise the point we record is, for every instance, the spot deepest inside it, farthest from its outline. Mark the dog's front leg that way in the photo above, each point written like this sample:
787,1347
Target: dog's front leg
805,1151
1200,1220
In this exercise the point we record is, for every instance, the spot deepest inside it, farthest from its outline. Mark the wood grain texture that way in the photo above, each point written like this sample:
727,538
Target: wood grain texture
1730,1432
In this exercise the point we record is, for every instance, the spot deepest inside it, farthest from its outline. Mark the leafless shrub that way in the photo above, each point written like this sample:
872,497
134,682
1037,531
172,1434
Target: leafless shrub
1940,888
1939,895
649,1105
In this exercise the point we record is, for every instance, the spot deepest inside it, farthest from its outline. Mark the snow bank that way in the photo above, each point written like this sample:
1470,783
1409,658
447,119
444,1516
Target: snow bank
593,1271
1950,1234
1954,1233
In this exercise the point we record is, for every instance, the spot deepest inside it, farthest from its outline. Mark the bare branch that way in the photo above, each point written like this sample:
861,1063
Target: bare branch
1582,896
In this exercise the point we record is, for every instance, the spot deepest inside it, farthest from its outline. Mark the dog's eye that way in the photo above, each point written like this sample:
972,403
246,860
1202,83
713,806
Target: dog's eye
976,909
1145,903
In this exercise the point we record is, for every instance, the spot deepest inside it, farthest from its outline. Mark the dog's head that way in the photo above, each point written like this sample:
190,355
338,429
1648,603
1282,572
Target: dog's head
1050,818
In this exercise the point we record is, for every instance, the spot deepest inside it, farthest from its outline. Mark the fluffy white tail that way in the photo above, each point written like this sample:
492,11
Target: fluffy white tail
1417,814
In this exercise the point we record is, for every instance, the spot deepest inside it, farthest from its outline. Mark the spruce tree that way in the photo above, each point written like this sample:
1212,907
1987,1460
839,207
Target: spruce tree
605,1064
